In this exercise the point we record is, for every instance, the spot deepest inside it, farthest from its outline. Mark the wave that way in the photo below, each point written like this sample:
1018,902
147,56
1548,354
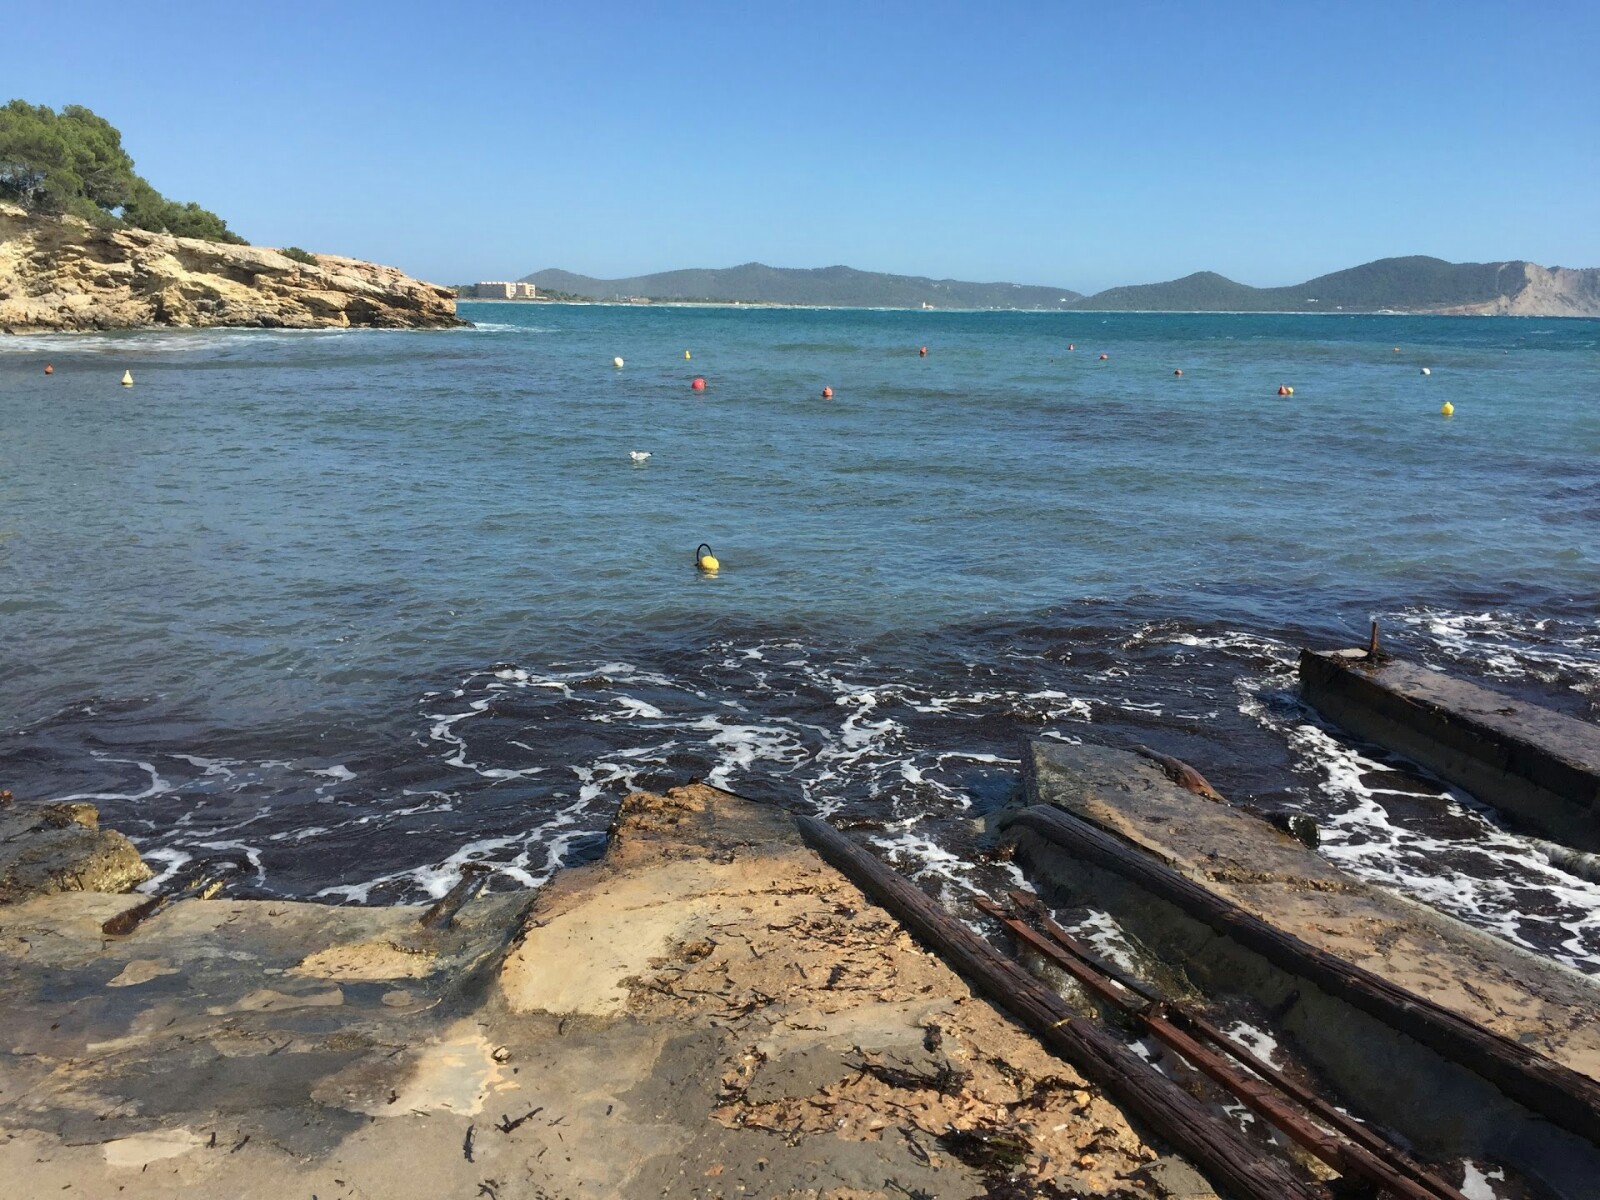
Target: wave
520,766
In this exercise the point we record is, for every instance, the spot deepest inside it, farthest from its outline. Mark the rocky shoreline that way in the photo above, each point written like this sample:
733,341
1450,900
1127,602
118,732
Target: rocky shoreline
65,274
735,1001
710,1011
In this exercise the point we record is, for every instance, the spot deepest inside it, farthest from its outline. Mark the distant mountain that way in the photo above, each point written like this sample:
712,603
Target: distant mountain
756,283
1416,284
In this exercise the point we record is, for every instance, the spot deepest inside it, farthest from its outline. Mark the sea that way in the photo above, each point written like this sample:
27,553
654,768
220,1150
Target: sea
350,609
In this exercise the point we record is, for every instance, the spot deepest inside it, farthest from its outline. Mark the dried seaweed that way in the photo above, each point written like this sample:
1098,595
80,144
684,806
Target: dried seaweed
987,1147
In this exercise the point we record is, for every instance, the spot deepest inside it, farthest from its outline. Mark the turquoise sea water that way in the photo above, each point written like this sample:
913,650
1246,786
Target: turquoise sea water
360,605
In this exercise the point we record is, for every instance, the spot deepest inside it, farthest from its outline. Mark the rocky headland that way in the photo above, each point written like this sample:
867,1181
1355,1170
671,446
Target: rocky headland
65,273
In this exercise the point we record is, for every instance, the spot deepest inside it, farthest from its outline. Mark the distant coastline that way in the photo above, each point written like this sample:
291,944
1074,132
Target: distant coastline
774,306
1411,286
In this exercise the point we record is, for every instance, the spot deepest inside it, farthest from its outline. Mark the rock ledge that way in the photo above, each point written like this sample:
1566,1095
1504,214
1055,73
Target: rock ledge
63,274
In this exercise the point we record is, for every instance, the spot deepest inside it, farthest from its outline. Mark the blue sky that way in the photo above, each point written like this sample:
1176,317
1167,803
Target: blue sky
1075,145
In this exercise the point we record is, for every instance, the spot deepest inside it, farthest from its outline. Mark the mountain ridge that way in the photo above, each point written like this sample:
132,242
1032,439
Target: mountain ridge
1411,284
837,286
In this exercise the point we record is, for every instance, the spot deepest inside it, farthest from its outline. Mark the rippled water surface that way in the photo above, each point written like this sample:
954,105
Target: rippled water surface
360,606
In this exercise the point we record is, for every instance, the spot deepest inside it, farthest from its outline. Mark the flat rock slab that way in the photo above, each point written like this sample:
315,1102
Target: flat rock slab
709,1012
1274,877
1540,768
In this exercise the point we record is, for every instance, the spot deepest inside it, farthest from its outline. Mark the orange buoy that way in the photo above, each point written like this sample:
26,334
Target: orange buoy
49,370
1103,357
1177,372
699,384
1282,391
827,393
923,352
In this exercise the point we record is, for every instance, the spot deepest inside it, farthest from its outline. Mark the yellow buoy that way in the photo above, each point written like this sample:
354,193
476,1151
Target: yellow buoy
704,559
1289,390
686,354
1446,408
127,379
617,362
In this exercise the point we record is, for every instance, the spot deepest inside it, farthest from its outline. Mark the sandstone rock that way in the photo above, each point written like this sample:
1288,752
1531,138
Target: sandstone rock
61,848
62,273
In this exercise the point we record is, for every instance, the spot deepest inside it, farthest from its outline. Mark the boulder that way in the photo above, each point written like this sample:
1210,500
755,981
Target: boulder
47,848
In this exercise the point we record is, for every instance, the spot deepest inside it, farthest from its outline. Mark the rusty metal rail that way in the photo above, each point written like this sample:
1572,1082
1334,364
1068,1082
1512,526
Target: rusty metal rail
1350,1148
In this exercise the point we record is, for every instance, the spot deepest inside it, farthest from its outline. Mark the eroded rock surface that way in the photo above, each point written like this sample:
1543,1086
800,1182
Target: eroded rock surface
709,1012
62,273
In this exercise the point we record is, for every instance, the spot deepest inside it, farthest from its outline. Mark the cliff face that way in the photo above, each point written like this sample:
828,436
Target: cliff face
61,273
1543,292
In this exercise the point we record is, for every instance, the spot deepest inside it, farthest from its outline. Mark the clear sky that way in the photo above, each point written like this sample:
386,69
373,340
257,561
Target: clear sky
1071,144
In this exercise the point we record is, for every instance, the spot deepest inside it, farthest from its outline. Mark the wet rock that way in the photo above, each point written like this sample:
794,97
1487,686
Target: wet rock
61,848
709,1011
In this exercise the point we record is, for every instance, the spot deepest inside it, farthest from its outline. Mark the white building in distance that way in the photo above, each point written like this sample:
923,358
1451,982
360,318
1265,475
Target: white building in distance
505,291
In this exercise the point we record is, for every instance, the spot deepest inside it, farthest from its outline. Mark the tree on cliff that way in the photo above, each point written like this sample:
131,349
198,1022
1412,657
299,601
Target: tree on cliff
73,162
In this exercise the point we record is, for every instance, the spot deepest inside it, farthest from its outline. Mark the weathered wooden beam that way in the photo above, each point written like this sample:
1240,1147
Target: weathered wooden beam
1189,1020
1543,1086
1230,1162
1348,1157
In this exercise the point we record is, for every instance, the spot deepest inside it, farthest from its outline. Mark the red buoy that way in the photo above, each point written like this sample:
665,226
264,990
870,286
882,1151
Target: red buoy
923,352
1103,357
1177,372
49,370
827,393
1282,391
699,384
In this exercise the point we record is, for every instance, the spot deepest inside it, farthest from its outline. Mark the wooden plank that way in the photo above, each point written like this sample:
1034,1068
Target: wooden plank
1555,1092
1192,1022
1230,1162
1348,1157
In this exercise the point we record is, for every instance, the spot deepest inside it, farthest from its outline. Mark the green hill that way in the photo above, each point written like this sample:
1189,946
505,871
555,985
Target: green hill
1413,284
1409,284
845,287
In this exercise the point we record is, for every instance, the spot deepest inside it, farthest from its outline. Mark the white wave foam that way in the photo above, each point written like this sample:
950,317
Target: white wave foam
1477,871
1512,645
1475,1182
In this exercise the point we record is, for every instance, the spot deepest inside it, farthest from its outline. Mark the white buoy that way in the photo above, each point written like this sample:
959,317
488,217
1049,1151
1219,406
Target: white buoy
1425,371
617,362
